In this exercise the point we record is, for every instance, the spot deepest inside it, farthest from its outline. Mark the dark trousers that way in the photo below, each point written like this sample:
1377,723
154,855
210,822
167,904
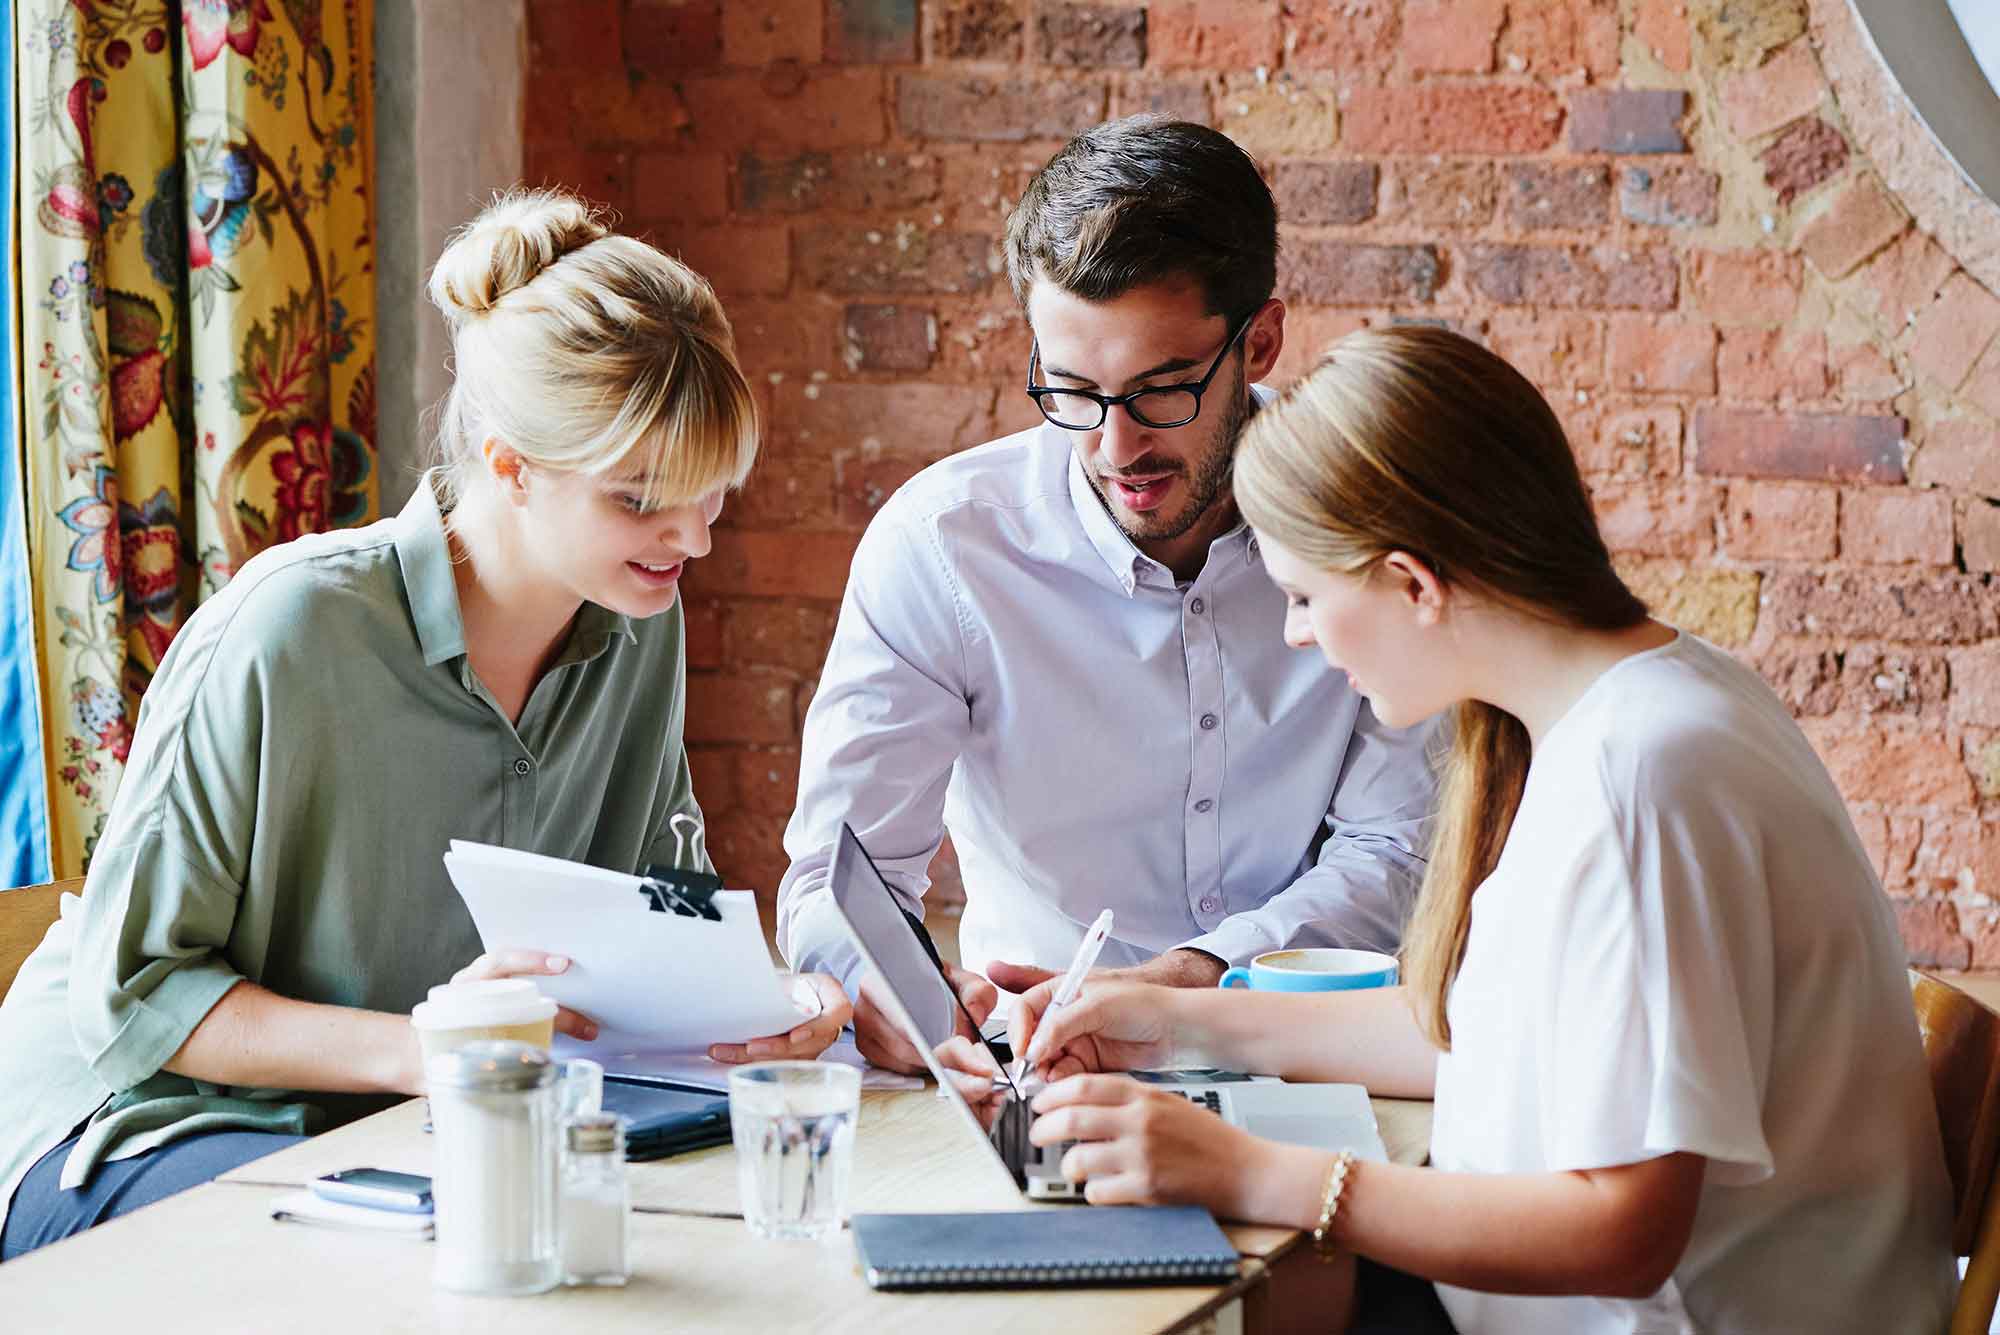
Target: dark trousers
1390,1302
43,1213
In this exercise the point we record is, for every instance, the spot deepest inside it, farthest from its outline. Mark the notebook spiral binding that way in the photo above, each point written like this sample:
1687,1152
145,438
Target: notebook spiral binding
1168,1268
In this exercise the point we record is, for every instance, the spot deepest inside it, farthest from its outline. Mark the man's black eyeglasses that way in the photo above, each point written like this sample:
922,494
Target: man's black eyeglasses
1156,406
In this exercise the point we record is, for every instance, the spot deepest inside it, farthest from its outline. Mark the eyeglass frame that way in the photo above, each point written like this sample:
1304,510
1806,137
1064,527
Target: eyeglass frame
1106,402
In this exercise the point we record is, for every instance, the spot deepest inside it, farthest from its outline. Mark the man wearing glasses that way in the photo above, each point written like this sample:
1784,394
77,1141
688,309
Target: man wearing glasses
1061,647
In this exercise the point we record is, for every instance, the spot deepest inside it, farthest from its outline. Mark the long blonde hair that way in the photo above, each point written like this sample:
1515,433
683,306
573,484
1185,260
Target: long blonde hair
1418,440
582,349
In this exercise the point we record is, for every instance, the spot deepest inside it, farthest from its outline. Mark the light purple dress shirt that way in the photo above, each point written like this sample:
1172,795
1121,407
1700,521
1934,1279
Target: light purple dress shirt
1008,666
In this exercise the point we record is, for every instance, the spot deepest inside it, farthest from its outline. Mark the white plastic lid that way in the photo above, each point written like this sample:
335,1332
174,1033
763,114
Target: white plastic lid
492,1001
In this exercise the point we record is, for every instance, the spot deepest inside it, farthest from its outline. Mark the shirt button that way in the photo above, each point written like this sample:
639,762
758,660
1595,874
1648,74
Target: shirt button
1208,722
1206,804
1197,607
1210,904
521,767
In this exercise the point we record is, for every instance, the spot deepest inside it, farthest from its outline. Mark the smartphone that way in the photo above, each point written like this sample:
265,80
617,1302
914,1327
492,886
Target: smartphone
406,1193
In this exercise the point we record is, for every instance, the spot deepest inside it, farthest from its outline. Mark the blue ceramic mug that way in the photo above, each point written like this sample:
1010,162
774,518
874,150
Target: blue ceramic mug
1314,970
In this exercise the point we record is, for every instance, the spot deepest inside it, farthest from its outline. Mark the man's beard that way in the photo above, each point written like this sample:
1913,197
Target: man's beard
1207,484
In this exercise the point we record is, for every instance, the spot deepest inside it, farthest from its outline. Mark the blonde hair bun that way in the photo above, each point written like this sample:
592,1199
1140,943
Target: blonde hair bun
516,237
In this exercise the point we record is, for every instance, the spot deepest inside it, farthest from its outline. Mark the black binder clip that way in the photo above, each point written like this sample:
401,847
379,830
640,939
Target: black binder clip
691,894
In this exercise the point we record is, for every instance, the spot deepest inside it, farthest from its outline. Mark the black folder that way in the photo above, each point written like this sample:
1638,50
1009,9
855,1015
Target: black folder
1072,1247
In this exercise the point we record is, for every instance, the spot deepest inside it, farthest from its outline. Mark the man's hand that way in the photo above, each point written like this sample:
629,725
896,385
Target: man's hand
1176,968
881,1040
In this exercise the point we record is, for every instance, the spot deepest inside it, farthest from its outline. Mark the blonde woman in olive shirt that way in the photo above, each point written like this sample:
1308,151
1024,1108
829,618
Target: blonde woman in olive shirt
502,661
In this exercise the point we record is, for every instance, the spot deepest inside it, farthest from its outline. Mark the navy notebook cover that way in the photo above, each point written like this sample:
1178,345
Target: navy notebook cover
1083,1245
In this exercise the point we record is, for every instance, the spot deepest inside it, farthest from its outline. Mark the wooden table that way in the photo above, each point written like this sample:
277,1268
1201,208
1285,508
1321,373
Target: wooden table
211,1258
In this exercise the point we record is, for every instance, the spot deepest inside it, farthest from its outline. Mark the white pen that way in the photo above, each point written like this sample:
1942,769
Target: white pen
1072,982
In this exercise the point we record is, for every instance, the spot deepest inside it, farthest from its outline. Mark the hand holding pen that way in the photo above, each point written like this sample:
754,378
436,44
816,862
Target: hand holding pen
1072,981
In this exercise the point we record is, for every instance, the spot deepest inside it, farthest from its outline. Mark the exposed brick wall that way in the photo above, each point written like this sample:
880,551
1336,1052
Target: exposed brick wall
1784,395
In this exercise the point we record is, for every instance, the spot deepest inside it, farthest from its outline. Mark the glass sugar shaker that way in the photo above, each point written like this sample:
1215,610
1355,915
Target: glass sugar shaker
596,1201
493,1107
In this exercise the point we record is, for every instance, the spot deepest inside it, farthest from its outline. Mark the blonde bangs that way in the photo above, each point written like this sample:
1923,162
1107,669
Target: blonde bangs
699,433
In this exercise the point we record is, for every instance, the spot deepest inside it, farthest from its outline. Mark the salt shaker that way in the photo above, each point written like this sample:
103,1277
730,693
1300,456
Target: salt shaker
493,1108
596,1201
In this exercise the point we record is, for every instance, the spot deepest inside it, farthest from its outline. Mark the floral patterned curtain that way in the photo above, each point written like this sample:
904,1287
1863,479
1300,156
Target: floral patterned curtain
197,306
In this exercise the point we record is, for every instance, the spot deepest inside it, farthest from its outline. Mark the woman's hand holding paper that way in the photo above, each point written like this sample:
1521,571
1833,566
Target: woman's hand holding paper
516,963
806,1040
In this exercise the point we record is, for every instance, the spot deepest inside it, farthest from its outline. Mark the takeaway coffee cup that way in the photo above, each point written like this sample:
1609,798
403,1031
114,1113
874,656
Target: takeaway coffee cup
494,1008
1314,970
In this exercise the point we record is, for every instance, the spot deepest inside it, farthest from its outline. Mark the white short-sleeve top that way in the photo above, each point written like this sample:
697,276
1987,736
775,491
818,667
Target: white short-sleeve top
1684,948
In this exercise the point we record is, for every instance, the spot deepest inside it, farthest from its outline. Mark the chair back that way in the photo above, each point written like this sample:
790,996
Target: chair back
25,915
1962,1048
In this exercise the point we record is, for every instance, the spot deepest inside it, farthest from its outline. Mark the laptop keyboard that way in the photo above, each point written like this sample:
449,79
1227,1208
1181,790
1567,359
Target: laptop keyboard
1204,1098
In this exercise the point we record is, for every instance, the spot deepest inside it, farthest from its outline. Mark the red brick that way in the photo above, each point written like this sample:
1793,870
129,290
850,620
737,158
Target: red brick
1443,194
1979,536
1785,87
1183,98
974,29
1662,25
1092,36
1339,273
986,341
1562,40
1668,196
1916,608
1627,120
1982,760
748,849
1558,194
1572,276
703,631
1864,375
1808,152
767,780
903,258
1746,287
1890,765
1959,855
1983,389
673,34
620,111
1212,34
1451,36
603,174
774,565
867,480
1325,192
1451,118
1931,935
1975,685
679,187
931,106
1772,365
1802,445
888,338
1658,519
762,32
1357,38
1855,224
792,487
1636,443
734,706
1808,681
1963,455
1954,330
871,32
1901,280
835,415
852,180
787,635
1875,680
795,334
1552,348
1896,528
1776,521
785,107
574,35
713,770
1656,355
1280,117
739,260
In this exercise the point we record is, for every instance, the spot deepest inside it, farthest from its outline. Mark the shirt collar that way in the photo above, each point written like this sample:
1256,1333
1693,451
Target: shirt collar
424,553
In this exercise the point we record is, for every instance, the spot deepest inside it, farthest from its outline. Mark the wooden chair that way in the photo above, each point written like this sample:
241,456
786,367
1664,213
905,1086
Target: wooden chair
25,915
1962,1048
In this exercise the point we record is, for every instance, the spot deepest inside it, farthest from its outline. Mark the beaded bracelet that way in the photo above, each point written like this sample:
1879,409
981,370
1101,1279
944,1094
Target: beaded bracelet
1336,1182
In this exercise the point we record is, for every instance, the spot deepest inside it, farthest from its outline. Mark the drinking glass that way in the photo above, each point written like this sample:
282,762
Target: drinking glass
793,1123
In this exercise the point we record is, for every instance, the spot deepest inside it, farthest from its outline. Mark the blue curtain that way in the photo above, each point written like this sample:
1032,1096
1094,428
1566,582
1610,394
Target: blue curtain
24,819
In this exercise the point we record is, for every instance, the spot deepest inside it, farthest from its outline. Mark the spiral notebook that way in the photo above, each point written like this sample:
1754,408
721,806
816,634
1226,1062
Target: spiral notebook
1085,1245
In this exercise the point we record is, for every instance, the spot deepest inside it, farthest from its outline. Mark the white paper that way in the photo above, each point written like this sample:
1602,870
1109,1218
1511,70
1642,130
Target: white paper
651,980
695,1067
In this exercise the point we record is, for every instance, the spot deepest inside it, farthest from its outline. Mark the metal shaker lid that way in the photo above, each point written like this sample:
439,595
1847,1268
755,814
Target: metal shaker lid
491,1064
596,1133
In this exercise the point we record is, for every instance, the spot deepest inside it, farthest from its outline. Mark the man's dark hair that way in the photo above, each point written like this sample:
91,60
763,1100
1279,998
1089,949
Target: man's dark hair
1144,200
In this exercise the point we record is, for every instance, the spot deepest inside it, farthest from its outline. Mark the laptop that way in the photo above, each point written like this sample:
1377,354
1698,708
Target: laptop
919,997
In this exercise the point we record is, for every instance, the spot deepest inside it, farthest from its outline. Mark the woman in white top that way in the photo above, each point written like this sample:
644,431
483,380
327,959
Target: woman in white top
1651,981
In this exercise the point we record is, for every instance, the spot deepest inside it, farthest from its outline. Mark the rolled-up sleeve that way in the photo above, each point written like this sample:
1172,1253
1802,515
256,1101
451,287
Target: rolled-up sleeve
887,723
1363,883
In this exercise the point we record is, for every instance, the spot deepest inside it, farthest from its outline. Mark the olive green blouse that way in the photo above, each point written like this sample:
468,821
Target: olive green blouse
312,741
